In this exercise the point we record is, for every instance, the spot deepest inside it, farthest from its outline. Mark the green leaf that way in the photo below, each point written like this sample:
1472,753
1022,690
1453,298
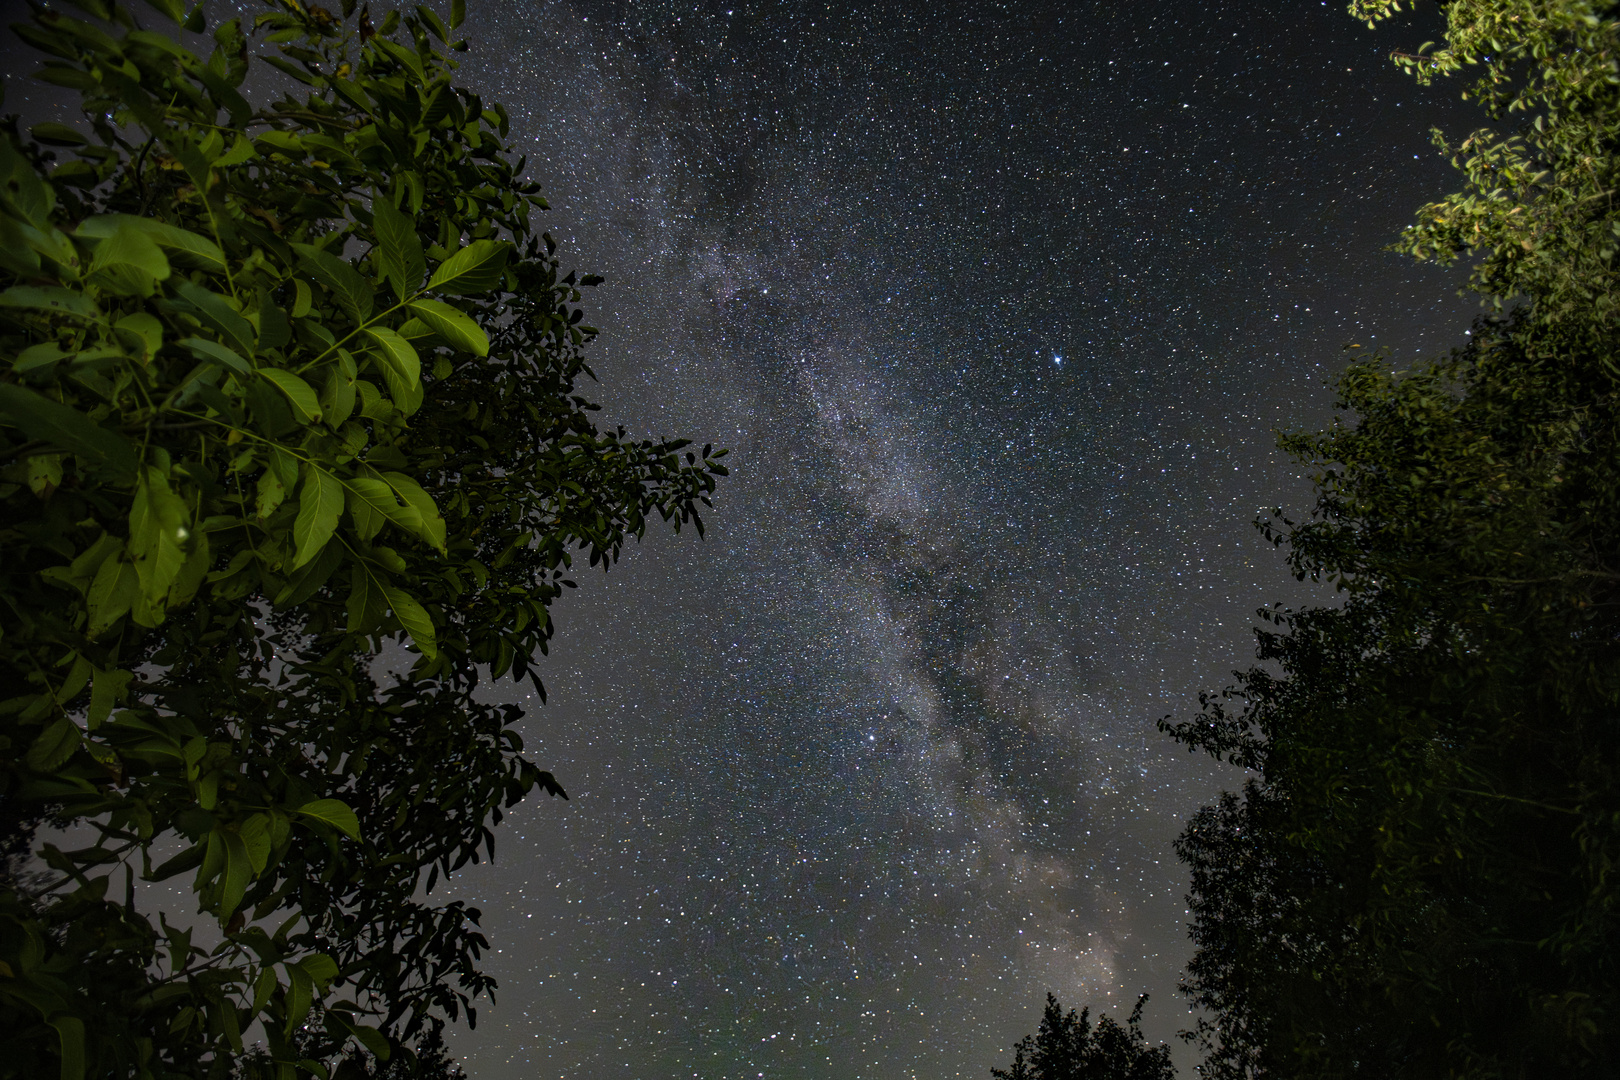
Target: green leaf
107,691
453,325
52,244
228,98
16,254
475,268
224,1018
54,745
371,502
367,516
402,368
52,298
171,8
458,13
45,354
306,406
213,860
45,474
369,1037
30,196
128,263
322,969
304,582
270,493
283,142
333,812
285,466
157,534
238,874
430,19
218,313
332,151
215,353
414,330
84,567
287,67
191,575
337,397
141,331
78,677
186,860
399,249
274,330
365,607
183,247
255,834
414,618
70,1039
400,355
431,527
241,151
300,994
116,587
348,288
186,248
320,502
53,134
406,57
263,987
61,425
183,144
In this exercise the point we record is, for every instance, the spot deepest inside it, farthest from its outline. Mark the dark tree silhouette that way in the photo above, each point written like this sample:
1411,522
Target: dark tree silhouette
1067,1047
427,1060
1420,879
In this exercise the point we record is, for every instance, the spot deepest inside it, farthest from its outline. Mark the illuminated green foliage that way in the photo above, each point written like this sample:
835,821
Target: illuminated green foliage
1537,207
289,389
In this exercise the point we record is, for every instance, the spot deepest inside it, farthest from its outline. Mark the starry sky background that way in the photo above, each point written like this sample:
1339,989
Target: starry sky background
863,775
999,307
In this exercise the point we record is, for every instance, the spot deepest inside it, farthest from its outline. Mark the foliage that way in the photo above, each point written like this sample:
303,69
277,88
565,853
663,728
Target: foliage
1537,207
426,1061
1421,879
1067,1047
288,388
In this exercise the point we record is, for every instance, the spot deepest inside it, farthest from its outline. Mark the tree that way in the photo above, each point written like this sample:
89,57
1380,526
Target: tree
1535,206
1421,881
1067,1047
291,393
428,1060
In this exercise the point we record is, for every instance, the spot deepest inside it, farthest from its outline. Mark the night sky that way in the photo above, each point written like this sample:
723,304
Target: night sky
999,307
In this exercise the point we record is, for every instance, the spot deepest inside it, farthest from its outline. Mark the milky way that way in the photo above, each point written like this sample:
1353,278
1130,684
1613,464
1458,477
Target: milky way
999,308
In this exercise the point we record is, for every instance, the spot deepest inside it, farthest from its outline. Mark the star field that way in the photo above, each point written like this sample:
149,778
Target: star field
1000,308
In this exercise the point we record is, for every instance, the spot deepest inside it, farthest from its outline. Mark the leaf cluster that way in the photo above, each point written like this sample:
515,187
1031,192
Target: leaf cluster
1069,1047
283,383
1537,209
